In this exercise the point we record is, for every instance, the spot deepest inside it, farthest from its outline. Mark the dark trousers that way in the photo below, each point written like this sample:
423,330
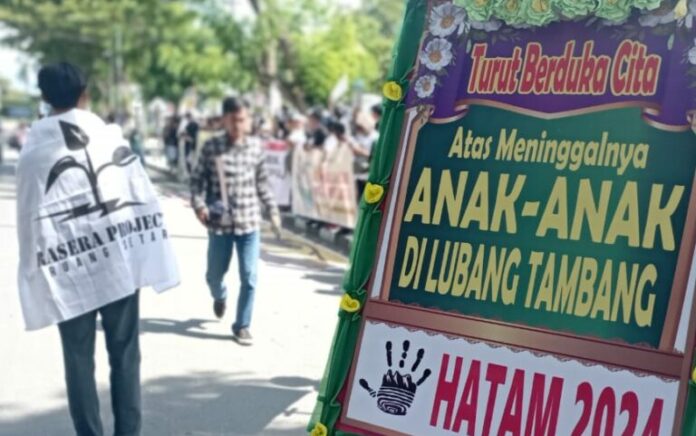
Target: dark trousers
120,321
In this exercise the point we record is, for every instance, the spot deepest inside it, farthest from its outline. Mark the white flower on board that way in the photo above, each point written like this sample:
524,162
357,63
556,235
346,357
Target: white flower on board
437,54
690,15
425,86
447,18
656,18
692,54
487,26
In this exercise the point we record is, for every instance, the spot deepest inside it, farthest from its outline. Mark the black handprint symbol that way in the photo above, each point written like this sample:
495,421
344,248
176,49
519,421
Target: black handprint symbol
398,390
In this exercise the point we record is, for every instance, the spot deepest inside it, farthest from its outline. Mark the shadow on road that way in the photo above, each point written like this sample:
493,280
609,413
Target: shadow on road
296,255
292,254
192,328
210,404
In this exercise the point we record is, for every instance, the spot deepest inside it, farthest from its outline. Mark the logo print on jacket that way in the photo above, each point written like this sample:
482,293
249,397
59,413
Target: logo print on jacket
76,139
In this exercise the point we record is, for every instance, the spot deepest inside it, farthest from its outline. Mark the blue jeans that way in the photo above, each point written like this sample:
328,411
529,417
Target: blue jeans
219,257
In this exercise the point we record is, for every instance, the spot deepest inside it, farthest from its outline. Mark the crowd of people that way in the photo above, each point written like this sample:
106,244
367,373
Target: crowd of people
91,234
318,128
106,237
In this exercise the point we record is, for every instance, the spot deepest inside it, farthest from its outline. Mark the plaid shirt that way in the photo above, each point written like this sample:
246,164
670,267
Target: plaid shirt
246,180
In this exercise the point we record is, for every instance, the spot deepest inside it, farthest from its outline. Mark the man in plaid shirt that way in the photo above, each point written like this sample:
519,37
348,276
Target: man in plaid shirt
228,186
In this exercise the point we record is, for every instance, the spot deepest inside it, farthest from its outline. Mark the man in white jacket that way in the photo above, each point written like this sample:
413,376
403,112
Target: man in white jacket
91,233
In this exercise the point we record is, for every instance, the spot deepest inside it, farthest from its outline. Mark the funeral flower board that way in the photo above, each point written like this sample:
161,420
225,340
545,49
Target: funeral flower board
524,259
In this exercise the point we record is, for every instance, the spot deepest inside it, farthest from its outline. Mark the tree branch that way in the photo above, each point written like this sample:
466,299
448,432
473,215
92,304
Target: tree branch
256,6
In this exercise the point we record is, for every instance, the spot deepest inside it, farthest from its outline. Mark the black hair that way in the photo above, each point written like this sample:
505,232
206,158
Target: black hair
337,127
62,85
232,105
319,114
377,109
340,112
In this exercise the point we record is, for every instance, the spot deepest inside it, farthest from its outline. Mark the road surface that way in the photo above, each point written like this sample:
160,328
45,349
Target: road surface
196,380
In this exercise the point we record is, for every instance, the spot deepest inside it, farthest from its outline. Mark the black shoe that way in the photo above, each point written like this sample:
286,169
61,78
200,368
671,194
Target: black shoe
242,336
219,307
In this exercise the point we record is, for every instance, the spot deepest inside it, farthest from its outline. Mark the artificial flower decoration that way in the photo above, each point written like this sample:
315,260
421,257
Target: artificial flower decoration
575,8
319,430
349,304
509,11
425,86
613,10
437,54
692,54
539,12
529,13
373,193
392,91
680,10
447,18
478,10
657,18
690,15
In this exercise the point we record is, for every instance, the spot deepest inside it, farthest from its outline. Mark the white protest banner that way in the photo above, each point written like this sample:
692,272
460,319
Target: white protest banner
279,177
323,185
416,382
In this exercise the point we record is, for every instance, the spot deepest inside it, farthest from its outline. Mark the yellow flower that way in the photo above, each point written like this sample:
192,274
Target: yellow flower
349,304
319,430
373,193
693,375
680,10
540,5
393,91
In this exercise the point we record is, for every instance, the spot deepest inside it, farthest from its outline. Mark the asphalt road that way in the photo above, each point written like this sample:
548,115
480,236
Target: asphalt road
196,380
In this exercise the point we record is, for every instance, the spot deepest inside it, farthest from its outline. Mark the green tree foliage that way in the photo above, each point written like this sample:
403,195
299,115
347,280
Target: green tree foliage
173,51
305,46
328,54
161,45
315,43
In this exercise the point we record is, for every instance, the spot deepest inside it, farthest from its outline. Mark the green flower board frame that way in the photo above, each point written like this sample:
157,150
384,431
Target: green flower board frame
413,348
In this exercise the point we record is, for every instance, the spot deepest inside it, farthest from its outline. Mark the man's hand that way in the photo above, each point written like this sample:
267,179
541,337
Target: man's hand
202,215
277,226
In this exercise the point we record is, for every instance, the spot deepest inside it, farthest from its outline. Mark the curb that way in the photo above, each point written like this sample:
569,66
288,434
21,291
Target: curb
334,238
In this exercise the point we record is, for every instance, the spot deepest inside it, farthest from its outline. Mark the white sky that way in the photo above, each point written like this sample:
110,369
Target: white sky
11,62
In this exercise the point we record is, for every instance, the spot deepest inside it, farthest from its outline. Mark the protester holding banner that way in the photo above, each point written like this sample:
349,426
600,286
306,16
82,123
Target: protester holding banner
277,152
190,138
170,139
228,185
317,130
91,233
297,136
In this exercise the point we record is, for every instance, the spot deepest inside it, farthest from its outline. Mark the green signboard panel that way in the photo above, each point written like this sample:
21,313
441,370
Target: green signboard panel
524,256
572,224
